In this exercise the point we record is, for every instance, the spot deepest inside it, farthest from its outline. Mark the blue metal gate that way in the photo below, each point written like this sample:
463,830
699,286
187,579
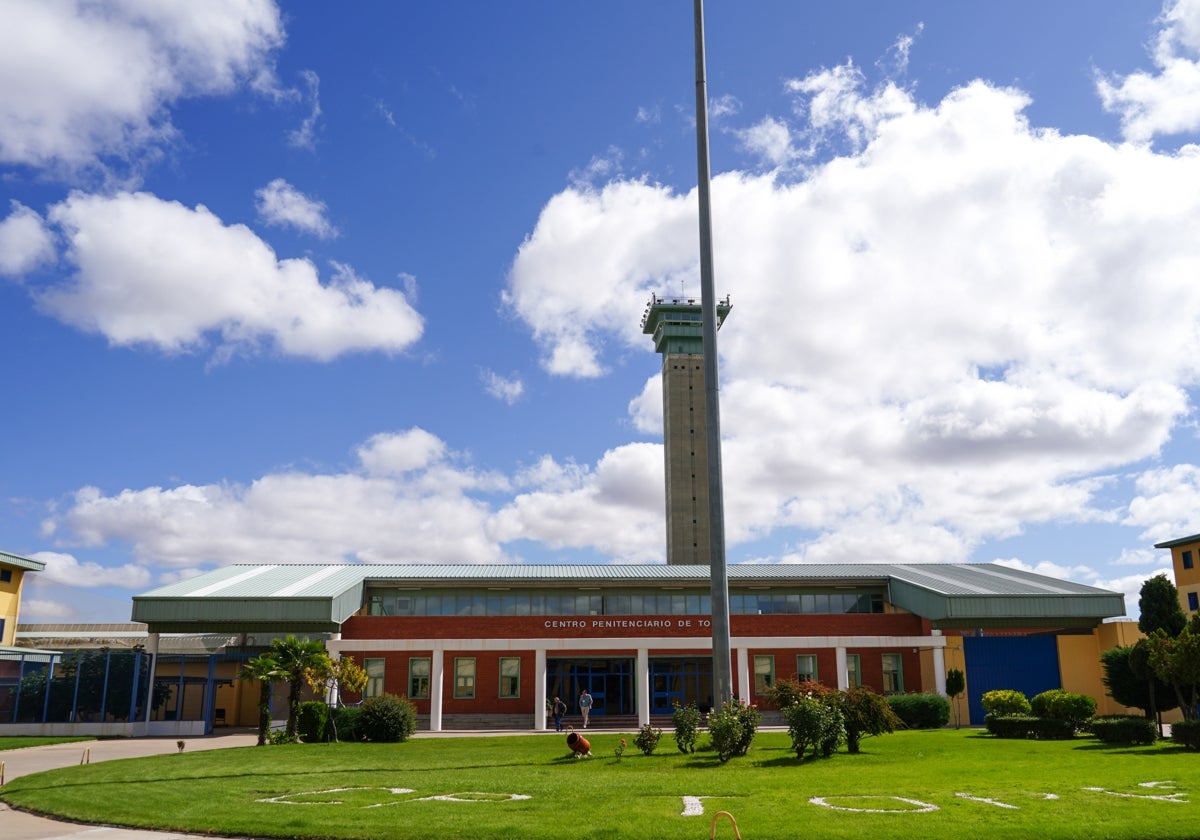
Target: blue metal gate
1028,664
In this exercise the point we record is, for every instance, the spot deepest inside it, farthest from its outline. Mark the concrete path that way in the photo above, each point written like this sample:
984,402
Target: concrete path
17,825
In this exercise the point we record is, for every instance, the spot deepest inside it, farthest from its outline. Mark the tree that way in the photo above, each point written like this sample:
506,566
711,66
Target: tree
302,661
1131,682
1158,602
1177,661
865,713
345,674
956,684
267,671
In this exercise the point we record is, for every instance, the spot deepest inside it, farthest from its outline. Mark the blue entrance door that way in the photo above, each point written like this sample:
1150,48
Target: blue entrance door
1028,664
680,682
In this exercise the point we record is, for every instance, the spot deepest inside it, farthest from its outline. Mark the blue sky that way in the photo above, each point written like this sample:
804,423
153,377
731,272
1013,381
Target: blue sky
297,284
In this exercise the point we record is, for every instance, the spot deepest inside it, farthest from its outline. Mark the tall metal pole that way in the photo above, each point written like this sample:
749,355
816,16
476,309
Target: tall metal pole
722,669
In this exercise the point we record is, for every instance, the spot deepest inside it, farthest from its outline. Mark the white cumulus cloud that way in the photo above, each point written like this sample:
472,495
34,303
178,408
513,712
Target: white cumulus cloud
81,79
949,333
280,203
25,243
1165,100
156,273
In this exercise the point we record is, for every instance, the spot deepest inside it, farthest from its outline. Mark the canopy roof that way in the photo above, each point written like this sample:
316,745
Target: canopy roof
9,559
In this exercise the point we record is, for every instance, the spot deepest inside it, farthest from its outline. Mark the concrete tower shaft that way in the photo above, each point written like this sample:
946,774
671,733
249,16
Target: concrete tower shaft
676,325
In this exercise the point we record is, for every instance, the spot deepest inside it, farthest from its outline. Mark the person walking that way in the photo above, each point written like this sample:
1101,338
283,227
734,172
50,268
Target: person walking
558,710
585,705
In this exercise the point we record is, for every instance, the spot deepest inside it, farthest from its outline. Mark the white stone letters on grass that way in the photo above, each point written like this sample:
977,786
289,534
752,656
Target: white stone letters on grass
693,806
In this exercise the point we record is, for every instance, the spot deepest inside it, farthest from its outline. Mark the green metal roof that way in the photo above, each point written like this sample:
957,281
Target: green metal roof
1181,541
7,559
307,598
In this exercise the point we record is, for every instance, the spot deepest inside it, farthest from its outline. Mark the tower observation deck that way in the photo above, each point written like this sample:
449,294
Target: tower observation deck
677,327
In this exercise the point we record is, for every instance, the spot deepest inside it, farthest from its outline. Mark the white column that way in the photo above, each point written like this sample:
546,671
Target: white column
742,665
539,689
642,685
939,670
435,690
843,678
152,650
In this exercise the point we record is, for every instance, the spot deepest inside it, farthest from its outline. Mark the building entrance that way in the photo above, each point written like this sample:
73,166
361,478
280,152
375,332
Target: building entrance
680,681
609,681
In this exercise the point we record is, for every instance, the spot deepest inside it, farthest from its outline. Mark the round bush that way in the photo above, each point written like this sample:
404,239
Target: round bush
1005,701
816,724
1063,705
387,718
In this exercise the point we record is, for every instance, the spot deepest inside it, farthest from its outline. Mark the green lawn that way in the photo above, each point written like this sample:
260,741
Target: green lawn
22,741
940,784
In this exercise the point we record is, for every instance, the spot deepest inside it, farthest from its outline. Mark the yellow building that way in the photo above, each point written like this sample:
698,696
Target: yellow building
12,575
1185,560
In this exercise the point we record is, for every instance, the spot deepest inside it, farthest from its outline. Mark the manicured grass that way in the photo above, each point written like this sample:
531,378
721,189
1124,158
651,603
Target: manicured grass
20,741
1021,789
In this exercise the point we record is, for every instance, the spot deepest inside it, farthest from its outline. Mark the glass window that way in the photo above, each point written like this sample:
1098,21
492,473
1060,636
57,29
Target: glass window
1193,601
853,673
893,674
418,677
764,674
374,669
806,667
510,676
464,677
1187,559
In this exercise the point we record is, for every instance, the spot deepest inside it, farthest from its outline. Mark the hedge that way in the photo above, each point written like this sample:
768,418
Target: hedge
1124,729
921,711
1186,733
347,723
1028,726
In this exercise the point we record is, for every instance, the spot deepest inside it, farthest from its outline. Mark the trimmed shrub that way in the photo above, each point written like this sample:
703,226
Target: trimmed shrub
1005,701
1064,705
346,722
921,711
387,718
1186,733
312,718
814,723
647,739
732,729
1124,729
687,726
1029,726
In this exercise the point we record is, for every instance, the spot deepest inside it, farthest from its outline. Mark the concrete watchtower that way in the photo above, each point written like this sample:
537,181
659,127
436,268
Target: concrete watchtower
677,328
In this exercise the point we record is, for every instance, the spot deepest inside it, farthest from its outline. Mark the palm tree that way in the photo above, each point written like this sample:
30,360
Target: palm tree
267,671
302,661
